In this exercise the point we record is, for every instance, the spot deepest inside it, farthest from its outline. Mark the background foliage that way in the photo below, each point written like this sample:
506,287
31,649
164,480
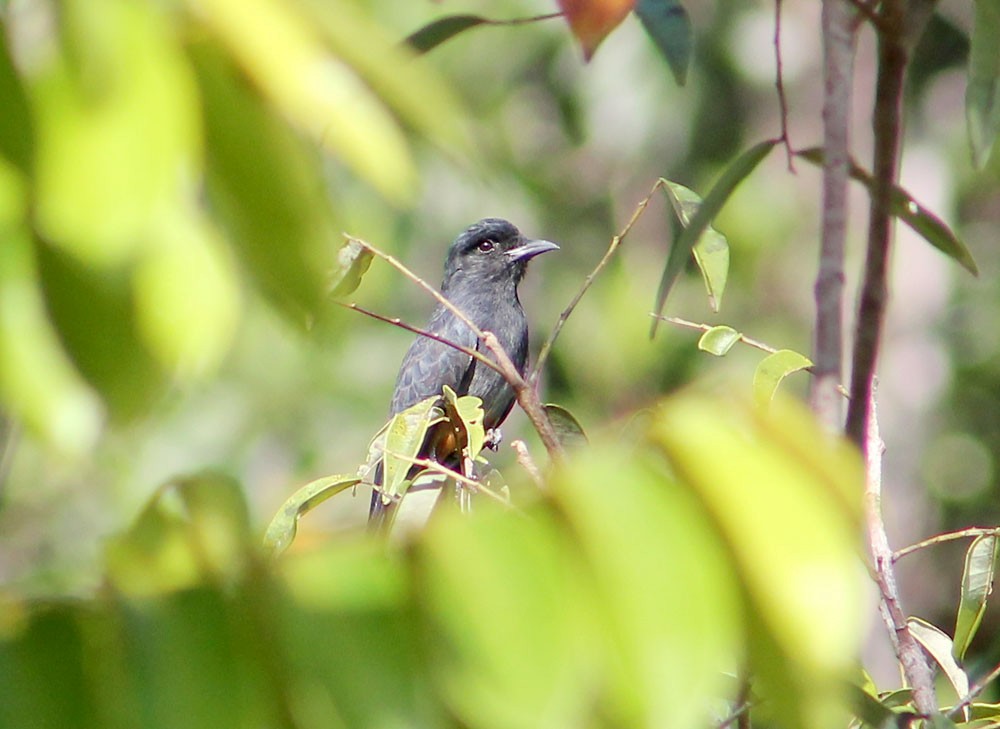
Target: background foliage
174,181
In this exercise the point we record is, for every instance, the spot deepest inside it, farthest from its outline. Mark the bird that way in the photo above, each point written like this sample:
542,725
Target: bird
483,268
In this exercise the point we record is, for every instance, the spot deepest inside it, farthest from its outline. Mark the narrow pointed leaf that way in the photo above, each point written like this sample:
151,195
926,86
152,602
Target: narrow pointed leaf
977,584
711,252
718,340
710,207
281,531
438,31
923,222
937,643
403,439
772,370
668,25
982,93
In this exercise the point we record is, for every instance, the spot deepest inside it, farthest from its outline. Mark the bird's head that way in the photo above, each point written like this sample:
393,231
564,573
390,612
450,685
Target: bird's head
491,250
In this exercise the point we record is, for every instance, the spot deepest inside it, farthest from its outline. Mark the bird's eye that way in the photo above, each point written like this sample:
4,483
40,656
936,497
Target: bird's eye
486,246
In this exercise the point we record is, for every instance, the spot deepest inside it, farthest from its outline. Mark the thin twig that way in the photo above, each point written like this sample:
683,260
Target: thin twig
523,21
779,84
738,713
527,398
969,533
397,322
587,282
979,687
444,470
528,463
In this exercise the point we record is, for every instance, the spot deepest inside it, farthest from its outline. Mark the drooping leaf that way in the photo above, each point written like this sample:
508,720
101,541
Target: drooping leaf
281,531
982,92
711,252
592,20
923,222
977,584
281,52
403,438
567,428
668,24
710,207
772,370
466,415
718,340
438,31
353,261
937,643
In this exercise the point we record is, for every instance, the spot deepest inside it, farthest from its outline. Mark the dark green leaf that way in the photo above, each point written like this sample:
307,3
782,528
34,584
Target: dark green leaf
711,252
710,207
977,584
437,32
718,340
925,223
668,24
567,428
982,93
16,126
872,712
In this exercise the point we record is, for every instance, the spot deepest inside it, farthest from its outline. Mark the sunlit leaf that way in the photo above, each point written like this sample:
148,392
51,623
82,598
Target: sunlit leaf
281,531
772,370
284,56
923,222
466,415
718,340
353,261
592,20
403,439
977,584
937,643
982,92
733,175
668,24
711,252
38,383
567,428
117,129
438,31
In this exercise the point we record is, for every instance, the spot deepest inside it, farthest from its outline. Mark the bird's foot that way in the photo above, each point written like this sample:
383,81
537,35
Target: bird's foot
493,439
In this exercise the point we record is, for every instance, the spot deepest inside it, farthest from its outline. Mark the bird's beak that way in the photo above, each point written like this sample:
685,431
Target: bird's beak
531,248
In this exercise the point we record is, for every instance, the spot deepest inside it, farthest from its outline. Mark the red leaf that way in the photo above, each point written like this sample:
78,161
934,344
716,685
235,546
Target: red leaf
592,20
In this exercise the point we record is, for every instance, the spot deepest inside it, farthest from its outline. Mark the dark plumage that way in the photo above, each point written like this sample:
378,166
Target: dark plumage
485,264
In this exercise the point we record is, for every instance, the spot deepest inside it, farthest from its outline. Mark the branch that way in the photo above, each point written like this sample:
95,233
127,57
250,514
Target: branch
975,691
969,533
587,282
450,473
527,398
838,73
779,83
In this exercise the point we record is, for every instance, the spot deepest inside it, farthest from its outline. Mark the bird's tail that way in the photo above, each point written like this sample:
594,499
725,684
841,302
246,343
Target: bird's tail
380,514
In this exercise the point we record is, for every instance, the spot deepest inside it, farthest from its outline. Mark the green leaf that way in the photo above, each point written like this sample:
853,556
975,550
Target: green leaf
711,252
438,31
872,712
977,584
921,220
16,125
937,643
668,25
281,531
567,428
719,340
279,49
403,438
982,92
772,370
353,261
710,207
466,415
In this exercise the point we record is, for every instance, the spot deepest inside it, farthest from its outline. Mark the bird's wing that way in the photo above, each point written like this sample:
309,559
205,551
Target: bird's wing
429,365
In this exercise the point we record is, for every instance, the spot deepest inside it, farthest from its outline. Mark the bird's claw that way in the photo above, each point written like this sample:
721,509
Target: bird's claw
493,439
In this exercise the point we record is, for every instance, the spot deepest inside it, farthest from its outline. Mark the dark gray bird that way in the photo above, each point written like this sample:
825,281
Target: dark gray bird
485,264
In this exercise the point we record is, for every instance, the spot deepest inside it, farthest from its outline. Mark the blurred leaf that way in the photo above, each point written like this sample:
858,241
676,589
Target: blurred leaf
682,246
118,130
524,659
403,439
937,643
772,370
281,531
592,20
667,655
711,252
271,202
16,125
102,337
781,514
940,721
872,712
567,428
187,296
438,31
280,50
923,222
353,261
982,94
977,584
38,383
668,24
718,340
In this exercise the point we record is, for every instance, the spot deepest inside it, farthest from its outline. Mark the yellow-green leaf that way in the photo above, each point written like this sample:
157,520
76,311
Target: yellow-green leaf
711,252
281,531
718,340
977,584
772,370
